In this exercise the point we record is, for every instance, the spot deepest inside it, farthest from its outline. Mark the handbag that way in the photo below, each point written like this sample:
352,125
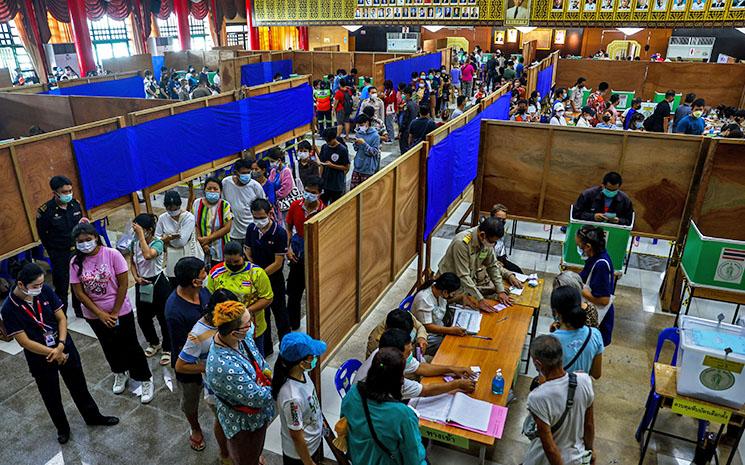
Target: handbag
191,249
284,204
530,430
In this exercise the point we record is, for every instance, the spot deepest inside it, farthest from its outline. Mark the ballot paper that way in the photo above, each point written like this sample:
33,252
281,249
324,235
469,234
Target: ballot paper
516,290
524,277
459,409
499,307
470,320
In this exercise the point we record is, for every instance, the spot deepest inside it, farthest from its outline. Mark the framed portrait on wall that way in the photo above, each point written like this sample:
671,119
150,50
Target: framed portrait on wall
624,5
717,5
499,37
557,5
606,5
698,5
512,35
590,5
560,36
518,12
737,4
679,5
573,5
641,5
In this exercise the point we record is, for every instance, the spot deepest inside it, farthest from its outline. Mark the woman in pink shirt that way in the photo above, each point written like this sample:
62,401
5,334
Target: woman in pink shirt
286,181
98,276
466,77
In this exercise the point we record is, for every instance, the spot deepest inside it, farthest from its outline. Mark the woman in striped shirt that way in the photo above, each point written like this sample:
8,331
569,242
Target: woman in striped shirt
213,221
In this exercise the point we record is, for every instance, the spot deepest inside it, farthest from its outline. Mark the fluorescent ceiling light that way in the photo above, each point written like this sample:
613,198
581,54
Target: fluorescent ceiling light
629,31
526,29
433,28
352,28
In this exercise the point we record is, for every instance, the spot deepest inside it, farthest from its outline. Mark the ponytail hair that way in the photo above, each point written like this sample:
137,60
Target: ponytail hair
79,257
593,235
280,374
567,302
147,221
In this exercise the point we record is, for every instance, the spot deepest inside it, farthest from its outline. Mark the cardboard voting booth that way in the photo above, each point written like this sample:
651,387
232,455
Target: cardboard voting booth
712,262
617,240
711,362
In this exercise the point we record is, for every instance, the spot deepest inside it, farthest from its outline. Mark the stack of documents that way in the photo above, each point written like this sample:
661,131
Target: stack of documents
470,320
462,411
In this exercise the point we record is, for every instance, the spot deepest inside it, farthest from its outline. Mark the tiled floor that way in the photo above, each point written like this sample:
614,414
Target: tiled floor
157,433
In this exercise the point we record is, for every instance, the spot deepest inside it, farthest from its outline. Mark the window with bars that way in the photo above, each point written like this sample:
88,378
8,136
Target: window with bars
200,36
237,34
12,53
110,39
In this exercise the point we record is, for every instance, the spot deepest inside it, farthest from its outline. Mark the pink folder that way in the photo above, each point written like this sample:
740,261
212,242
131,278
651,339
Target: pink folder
496,423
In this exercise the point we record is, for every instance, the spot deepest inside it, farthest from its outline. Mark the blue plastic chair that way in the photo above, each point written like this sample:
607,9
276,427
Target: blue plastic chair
344,375
406,303
672,335
100,226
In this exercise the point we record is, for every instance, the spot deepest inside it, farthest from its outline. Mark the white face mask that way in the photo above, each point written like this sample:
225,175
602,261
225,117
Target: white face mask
174,213
303,155
261,223
32,292
87,246
582,253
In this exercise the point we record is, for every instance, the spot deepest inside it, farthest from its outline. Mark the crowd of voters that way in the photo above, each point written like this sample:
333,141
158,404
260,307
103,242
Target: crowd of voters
213,271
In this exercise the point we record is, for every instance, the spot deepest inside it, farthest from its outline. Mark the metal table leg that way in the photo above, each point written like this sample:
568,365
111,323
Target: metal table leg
550,235
735,446
649,432
482,454
737,312
688,289
512,235
533,330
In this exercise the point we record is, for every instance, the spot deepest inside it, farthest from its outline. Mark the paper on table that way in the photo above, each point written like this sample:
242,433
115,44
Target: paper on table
470,320
499,307
433,408
469,412
516,291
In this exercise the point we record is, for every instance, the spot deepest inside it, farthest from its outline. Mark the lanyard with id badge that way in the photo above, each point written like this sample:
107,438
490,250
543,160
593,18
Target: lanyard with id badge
49,335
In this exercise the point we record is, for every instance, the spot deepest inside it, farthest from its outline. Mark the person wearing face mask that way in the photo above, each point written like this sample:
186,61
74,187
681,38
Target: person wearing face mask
376,104
409,112
266,246
588,113
247,281
240,190
367,145
637,122
605,203
307,165
151,285
471,250
597,276
54,222
240,378
300,412
401,339
176,228
577,94
280,175
558,119
213,218
334,161
632,110
422,92
260,170
597,100
98,276
606,121
33,315
694,123
390,103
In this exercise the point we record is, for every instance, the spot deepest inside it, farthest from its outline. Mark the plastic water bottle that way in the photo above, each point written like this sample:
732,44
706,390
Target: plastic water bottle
497,384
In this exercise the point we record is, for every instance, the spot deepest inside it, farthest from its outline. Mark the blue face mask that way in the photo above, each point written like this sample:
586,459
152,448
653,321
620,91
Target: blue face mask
310,197
65,198
212,197
244,178
410,358
608,193
582,253
251,331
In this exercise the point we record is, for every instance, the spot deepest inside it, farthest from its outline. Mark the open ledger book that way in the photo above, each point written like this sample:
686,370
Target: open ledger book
462,411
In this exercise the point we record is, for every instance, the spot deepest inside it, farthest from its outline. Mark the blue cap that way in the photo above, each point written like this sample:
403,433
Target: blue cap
297,346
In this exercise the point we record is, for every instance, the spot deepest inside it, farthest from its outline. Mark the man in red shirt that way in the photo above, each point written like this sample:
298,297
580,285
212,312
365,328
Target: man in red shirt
343,107
300,210
466,76
597,101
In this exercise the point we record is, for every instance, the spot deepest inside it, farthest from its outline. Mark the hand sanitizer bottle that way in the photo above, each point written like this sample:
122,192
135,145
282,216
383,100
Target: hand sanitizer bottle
497,384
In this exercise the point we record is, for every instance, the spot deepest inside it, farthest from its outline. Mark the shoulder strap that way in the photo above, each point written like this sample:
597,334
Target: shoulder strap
581,349
570,402
372,429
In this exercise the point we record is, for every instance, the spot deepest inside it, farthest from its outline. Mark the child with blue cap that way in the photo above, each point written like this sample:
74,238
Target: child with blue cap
299,409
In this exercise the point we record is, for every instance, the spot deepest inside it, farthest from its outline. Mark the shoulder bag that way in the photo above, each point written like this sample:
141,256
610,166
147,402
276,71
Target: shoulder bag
372,431
530,430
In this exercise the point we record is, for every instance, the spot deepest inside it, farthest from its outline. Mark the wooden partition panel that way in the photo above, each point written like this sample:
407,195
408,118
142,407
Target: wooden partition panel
29,89
5,80
720,205
178,60
542,179
302,63
19,112
16,221
327,48
130,63
375,227
92,79
621,75
89,109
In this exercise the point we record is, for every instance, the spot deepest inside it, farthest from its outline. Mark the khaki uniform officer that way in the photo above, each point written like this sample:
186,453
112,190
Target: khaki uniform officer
471,250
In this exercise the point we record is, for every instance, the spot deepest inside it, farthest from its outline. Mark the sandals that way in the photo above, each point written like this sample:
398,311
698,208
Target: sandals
152,350
165,359
196,441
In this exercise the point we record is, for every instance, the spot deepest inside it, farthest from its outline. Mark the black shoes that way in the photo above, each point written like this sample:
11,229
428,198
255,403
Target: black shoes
104,421
62,438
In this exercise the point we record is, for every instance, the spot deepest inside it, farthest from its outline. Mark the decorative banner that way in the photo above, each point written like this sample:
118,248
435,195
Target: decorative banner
731,266
693,409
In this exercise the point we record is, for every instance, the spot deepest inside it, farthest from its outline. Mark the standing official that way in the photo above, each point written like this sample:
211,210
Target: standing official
54,222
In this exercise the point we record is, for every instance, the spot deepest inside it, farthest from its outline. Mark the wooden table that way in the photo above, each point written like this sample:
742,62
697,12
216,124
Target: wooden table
711,293
531,297
666,386
503,351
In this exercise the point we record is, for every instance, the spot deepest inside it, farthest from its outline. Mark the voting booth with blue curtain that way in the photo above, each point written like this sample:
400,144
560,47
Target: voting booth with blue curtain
400,71
159,61
117,163
545,80
132,87
453,163
260,73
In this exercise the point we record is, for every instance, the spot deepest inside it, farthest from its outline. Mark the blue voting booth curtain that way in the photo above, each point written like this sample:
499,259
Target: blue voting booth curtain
453,163
260,73
543,86
400,71
132,87
158,62
123,161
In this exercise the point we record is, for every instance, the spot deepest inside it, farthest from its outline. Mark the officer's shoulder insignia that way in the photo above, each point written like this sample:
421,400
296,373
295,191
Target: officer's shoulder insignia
467,238
41,210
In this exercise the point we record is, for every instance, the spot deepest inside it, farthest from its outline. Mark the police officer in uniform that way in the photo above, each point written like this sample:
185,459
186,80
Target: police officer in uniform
473,249
54,222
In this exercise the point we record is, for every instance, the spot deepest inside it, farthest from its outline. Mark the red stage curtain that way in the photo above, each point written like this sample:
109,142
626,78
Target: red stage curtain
8,10
199,9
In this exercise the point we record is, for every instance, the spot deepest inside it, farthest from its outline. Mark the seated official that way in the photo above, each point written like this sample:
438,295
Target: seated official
473,249
430,307
499,211
397,319
402,340
605,203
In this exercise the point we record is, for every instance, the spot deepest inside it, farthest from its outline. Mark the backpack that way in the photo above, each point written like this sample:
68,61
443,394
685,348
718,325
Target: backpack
347,103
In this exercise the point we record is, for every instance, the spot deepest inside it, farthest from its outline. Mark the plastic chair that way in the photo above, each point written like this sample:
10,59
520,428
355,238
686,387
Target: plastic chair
344,375
406,303
672,335
100,226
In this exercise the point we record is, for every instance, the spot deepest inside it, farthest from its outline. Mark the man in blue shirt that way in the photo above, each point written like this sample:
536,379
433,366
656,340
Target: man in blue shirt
636,104
519,68
684,109
693,123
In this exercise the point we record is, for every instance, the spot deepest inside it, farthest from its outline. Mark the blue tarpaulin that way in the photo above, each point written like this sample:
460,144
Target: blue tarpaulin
260,73
132,87
123,161
158,62
400,71
453,162
544,82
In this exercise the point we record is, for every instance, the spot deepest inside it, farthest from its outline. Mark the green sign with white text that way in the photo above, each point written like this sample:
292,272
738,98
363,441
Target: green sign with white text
442,436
